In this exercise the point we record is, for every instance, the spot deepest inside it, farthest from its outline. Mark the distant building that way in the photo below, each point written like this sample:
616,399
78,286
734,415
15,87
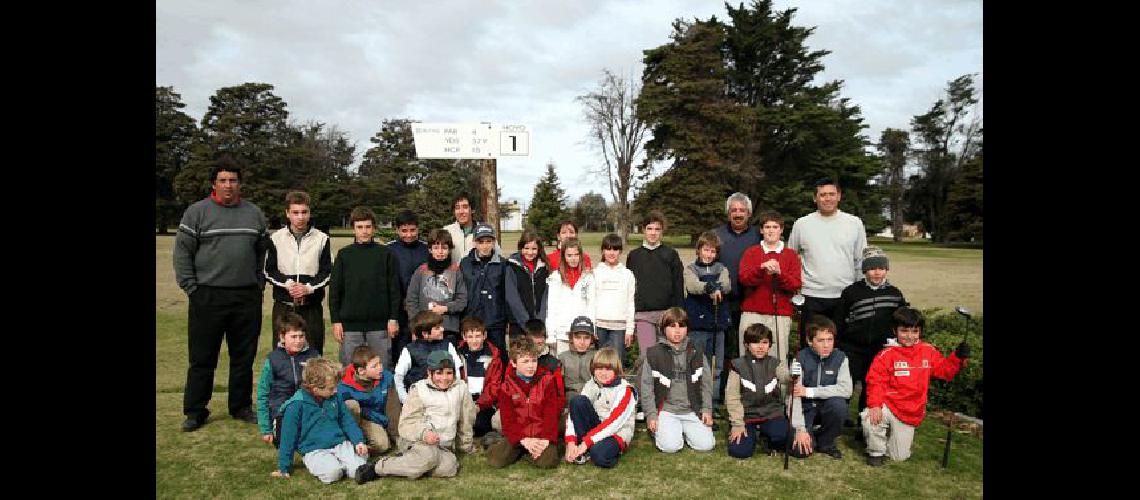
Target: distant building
908,231
511,217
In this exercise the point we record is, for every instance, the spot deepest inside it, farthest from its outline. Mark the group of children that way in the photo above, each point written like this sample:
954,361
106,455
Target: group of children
553,396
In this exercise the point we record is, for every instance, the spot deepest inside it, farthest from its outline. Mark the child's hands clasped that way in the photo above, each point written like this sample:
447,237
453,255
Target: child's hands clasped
362,449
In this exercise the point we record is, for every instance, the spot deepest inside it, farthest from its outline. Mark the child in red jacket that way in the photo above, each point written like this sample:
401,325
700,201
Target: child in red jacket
897,386
529,406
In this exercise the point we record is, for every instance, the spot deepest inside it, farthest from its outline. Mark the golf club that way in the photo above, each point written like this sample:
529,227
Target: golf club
797,302
950,424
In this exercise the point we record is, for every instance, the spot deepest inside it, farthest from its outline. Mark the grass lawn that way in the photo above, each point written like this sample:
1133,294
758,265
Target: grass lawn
225,458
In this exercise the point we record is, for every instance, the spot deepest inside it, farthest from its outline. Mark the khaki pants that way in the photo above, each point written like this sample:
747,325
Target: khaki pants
891,436
780,348
375,434
419,459
502,454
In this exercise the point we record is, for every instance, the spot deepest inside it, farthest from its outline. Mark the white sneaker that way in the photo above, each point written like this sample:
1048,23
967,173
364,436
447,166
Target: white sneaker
581,460
640,416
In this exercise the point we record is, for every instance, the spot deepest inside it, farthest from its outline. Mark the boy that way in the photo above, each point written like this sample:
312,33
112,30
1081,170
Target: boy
660,282
410,252
463,229
752,396
897,386
566,229
576,361
822,391
614,294
600,422
427,328
864,316
536,330
482,363
488,279
298,263
367,391
319,426
364,296
530,408
281,374
676,386
707,282
436,421
770,274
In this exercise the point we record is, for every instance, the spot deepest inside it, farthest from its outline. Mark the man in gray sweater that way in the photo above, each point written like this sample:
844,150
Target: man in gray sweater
830,243
219,254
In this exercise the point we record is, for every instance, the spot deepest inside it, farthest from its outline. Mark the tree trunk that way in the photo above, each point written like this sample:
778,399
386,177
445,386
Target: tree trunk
490,196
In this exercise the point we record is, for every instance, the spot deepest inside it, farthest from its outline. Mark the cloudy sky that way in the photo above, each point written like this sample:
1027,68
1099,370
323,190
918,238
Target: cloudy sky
354,63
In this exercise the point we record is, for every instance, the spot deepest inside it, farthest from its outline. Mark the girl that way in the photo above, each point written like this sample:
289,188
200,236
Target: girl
600,422
438,286
614,288
569,295
528,300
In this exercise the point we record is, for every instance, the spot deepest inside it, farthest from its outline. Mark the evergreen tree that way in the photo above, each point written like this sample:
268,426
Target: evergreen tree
174,135
547,205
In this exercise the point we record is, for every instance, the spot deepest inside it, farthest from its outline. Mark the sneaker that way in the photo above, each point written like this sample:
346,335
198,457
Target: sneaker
246,415
833,453
581,460
640,416
365,473
878,461
192,424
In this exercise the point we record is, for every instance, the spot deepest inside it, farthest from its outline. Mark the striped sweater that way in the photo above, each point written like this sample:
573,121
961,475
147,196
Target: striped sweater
615,405
219,245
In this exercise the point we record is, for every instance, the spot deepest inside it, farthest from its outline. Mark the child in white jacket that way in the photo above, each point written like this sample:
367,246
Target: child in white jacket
600,422
613,294
568,295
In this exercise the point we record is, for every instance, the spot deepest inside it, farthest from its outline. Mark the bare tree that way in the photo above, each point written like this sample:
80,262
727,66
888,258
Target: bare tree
611,110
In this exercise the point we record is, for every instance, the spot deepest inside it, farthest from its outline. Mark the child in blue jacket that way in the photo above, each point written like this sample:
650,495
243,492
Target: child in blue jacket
368,392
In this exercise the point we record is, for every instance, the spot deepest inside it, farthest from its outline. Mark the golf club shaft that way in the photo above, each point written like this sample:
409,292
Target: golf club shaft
791,434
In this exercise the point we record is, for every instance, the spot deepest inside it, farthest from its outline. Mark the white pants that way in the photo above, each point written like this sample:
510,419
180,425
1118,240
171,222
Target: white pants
329,465
780,348
891,436
672,428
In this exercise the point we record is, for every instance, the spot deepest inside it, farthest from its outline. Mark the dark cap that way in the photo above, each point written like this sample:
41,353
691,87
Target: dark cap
483,230
439,360
582,324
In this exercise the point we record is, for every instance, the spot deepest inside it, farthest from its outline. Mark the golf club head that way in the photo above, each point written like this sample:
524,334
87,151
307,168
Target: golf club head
963,311
798,300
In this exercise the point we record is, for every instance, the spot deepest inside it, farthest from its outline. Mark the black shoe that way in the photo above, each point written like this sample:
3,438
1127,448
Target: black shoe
365,473
878,461
833,453
715,427
246,415
766,449
192,424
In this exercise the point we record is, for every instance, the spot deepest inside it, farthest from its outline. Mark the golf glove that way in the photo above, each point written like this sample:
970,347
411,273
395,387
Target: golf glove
963,351
797,369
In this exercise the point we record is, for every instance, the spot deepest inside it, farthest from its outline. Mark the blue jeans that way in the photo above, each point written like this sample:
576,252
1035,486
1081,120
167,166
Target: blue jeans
604,453
613,338
774,430
713,345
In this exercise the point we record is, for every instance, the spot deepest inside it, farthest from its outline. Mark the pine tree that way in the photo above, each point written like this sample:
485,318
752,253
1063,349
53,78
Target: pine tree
547,205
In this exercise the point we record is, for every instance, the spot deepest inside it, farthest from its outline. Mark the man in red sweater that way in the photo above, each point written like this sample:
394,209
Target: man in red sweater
897,386
530,407
768,268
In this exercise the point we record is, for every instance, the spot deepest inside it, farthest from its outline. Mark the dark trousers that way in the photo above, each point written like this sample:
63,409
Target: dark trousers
859,362
314,315
502,454
775,431
604,453
830,413
482,423
731,339
813,306
234,314
403,337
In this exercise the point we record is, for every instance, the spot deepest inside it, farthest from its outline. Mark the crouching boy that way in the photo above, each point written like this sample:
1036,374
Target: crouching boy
897,386
436,418
821,392
752,396
281,374
676,387
600,423
530,407
319,426
368,392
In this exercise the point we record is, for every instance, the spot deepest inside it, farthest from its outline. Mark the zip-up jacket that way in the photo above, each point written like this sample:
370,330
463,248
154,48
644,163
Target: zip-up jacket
660,284
530,409
576,370
449,413
371,399
447,288
222,246
481,367
279,379
487,286
900,378
673,378
752,393
757,282
365,290
615,404
864,314
461,243
823,378
412,365
528,300
699,279
732,248
308,425
567,303
308,262
614,297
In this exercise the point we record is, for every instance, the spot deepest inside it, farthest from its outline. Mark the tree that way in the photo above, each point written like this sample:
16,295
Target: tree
736,104
617,131
590,211
430,198
547,205
249,123
893,145
964,203
947,136
316,158
174,135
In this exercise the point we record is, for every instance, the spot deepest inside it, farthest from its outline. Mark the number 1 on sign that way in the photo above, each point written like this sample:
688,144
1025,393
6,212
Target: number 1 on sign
514,143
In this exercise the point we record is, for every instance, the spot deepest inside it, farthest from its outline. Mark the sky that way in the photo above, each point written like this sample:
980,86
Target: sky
354,63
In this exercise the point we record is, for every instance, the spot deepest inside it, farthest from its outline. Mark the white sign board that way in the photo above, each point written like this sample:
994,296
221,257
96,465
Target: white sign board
470,140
